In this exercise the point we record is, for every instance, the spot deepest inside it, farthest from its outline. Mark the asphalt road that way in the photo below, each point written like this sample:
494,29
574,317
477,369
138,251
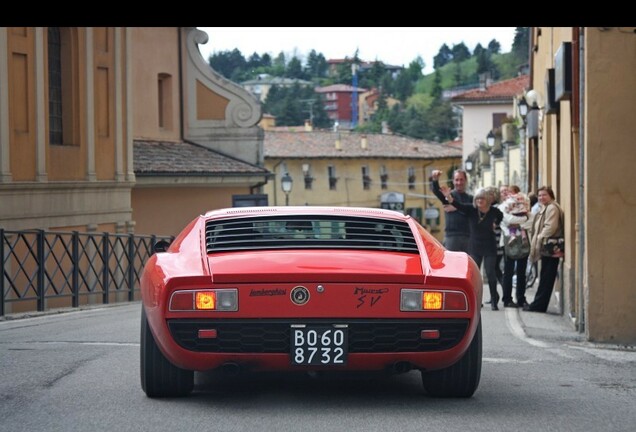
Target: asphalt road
79,371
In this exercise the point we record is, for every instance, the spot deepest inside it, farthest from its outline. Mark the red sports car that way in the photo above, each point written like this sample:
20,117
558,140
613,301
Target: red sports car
310,289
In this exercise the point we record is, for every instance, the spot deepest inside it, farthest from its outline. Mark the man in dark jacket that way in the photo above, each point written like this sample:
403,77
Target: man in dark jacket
457,229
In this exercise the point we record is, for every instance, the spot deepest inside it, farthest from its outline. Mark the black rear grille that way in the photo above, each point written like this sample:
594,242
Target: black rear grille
309,232
273,336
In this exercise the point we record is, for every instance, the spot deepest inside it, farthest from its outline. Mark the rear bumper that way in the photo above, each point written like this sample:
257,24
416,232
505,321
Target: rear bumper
264,345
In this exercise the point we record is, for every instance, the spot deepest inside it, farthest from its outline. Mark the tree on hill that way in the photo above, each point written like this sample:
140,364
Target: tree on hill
436,90
316,65
403,86
443,57
230,64
421,113
373,77
415,68
460,52
494,47
520,44
478,50
294,69
279,64
484,63
293,105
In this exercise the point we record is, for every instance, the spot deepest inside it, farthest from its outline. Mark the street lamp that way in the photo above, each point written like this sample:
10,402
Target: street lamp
490,139
468,165
522,105
286,183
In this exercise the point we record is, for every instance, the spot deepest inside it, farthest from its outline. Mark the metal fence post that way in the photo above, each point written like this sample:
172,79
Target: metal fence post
41,267
76,264
131,267
2,274
105,263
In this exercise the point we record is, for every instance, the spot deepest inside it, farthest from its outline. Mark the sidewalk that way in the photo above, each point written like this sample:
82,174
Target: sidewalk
554,327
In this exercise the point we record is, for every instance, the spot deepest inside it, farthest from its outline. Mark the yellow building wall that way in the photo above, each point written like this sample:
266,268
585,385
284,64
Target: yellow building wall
22,133
594,270
68,162
155,51
166,211
210,105
556,160
62,162
104,93
500,166
514,166
610,196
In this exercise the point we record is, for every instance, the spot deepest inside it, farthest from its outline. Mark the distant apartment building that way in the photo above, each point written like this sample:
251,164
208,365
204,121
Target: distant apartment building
337,100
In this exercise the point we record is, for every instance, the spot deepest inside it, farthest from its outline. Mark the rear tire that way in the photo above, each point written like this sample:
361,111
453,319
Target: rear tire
461,379
159,377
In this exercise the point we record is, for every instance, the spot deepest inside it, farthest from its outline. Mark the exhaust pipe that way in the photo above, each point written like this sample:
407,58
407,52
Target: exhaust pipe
232,369
400,367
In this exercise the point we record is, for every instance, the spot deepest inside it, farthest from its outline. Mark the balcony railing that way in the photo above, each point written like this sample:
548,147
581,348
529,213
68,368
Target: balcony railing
53,269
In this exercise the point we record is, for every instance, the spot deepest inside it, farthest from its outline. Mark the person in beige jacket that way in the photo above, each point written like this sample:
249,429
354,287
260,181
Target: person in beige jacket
547,223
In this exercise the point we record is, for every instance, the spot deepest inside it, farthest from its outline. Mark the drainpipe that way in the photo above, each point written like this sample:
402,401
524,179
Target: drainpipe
180,49
581,294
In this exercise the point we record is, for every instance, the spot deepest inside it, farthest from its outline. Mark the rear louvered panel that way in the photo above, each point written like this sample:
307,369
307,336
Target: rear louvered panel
271,336
309,232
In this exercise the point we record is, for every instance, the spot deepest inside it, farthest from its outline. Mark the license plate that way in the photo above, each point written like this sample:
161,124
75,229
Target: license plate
319,345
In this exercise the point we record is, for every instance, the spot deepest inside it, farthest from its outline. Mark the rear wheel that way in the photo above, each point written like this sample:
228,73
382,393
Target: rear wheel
159,377
461,379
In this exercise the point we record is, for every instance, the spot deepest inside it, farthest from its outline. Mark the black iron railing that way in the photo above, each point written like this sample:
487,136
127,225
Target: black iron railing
43,269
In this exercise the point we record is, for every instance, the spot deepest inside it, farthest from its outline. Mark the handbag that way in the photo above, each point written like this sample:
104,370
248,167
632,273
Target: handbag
517,246
554,246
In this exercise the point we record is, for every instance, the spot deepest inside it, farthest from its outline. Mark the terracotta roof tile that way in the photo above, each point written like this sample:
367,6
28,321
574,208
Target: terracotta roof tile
502,90
183,158
322,144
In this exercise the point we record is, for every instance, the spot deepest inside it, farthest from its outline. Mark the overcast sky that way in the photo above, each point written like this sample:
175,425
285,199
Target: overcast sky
396,46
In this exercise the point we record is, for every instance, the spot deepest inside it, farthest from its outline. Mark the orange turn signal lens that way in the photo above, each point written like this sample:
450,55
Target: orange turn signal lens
432,300
205,300
416,300
217,300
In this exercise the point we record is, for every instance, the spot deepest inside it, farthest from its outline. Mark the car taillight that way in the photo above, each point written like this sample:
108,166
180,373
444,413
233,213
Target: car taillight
432,300
205,300
222,300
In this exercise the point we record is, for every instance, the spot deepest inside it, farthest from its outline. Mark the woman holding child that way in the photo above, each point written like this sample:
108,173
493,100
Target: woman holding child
516,211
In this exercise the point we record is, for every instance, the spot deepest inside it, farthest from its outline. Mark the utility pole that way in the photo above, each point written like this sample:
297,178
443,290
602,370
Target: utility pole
310,103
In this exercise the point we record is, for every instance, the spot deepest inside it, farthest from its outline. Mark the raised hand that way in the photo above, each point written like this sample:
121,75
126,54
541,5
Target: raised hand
445,190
